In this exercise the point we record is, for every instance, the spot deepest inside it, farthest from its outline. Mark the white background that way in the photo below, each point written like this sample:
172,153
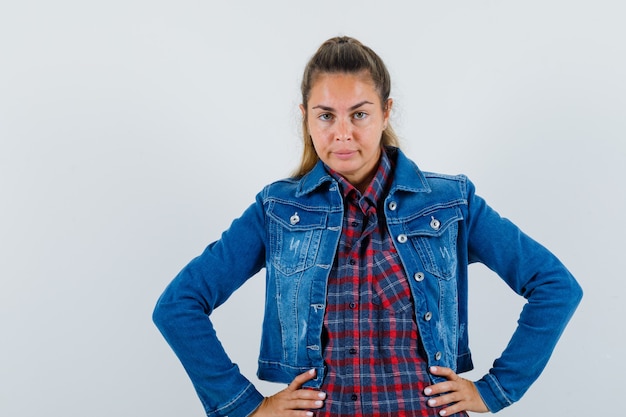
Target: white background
132,132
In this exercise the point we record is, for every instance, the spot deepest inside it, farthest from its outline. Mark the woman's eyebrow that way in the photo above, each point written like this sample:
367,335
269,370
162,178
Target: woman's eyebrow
327,108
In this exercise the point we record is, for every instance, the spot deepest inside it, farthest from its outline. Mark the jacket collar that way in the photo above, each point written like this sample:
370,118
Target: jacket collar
313,179
407,176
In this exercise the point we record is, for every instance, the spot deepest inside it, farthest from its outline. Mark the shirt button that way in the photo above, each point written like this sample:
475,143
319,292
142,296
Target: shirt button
437,356
428,316
402,238
352,305
419,276
393,206
354,397
354,224
352,351
351,261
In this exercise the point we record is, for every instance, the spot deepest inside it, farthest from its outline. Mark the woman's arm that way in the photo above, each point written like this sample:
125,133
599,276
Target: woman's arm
183,310
533,272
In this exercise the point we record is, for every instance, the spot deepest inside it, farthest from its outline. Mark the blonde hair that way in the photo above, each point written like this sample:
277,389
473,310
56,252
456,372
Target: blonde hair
342,55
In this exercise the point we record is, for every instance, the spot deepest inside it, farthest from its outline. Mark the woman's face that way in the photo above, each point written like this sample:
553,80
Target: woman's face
346,119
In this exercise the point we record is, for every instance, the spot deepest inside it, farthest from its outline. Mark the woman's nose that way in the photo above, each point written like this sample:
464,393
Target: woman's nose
344,130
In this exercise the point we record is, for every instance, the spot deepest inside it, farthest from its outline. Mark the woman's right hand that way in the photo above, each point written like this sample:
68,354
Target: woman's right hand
293,401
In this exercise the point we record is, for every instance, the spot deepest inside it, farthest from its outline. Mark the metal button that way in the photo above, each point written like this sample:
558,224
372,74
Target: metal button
419,276
295,218
438,356
402,238
393,205
434,223
428,316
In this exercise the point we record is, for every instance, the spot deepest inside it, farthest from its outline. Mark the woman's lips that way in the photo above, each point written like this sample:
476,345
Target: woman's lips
344,154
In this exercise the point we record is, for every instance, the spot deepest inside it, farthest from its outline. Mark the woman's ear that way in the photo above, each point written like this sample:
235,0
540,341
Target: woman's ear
387,112
388,106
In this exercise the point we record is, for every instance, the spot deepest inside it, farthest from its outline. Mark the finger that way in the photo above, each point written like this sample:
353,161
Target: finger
439,388
304,404
442,387
453,409
299,380
451,391
291,403
308,395
451,405
442,400
443,372
457,407
462,397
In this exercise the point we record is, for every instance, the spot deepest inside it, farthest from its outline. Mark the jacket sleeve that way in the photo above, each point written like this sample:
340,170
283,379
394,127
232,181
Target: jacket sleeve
182,314
533,272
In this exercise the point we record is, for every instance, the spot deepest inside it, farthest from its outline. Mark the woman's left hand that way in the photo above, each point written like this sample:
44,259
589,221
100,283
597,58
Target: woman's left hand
456,394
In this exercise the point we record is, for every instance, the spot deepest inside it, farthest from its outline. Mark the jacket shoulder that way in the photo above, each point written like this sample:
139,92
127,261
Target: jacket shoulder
452,185
285,188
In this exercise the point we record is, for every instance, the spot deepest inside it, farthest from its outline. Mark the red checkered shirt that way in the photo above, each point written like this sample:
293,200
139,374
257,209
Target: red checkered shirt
370,336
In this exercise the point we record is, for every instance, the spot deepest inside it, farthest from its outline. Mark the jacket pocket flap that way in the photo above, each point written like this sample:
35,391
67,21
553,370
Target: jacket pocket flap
433,223
296,217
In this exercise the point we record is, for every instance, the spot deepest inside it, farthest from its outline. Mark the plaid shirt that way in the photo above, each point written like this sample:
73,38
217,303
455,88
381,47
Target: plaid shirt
371,340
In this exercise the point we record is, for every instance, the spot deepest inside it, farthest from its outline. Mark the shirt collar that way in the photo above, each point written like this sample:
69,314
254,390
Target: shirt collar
377,187
407,176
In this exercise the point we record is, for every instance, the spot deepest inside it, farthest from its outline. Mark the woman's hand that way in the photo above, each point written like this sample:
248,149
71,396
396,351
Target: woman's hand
293,401
457,393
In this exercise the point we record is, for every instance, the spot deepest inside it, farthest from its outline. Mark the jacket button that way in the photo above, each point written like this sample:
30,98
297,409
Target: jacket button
402,238
437,356
434,223
294,219
393,205
419,276
428,316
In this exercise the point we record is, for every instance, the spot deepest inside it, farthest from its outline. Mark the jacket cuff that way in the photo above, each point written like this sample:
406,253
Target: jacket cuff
242,406
492,393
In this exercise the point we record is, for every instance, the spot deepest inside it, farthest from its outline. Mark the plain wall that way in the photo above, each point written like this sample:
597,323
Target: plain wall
133,132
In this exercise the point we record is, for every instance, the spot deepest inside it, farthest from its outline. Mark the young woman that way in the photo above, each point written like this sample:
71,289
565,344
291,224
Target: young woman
367,261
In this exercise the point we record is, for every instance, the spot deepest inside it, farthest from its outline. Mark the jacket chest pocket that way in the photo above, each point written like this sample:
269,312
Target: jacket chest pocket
434,237
294,235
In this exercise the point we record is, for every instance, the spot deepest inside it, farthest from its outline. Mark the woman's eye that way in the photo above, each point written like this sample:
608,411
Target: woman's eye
325,116
360,115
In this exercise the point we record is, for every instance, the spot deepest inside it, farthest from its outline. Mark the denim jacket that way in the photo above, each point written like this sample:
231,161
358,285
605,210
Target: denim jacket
439,226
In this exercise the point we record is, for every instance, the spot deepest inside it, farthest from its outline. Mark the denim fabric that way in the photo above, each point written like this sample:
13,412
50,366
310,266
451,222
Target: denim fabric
439,226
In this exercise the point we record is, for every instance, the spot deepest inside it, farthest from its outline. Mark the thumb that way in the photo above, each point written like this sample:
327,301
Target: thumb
299,380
